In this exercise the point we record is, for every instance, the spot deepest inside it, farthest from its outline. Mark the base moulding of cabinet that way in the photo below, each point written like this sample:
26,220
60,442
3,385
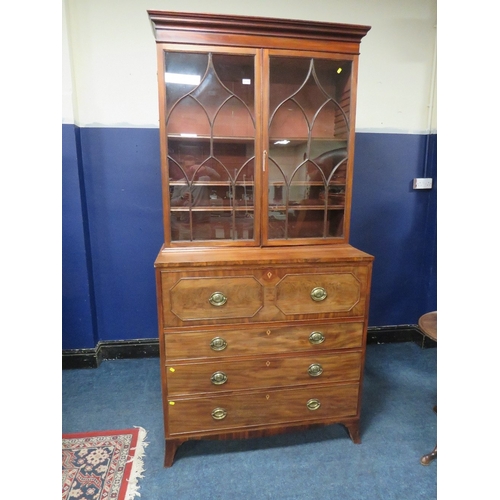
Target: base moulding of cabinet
351,426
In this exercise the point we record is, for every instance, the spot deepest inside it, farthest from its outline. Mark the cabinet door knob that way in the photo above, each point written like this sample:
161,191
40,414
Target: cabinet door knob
315,370
313,404
219,413
218,344
217,299
318,294
218,378
316,338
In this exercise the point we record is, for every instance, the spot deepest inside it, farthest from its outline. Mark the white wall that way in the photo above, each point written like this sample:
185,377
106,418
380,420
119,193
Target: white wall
109,58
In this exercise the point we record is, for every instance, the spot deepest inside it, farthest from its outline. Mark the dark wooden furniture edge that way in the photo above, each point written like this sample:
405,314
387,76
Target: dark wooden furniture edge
149,348
248,25
263,256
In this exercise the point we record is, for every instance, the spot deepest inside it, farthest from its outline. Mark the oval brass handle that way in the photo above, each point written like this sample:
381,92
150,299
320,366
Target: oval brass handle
315,370
318,294
218,378
218,344
316,338
313,404
217,299
219,413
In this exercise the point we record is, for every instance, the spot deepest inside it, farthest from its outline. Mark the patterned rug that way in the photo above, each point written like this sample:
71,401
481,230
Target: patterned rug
102,465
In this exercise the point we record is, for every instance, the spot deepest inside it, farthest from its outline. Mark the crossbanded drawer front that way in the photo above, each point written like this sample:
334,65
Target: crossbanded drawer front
219,376
330,293
212,297
261,409
255,341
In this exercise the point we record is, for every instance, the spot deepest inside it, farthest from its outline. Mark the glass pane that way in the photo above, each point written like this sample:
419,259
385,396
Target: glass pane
183,73
225,226
236,73
286,76
211,145
277,224
188,119
323,124
211,94
244,226
311,223
307,224
234,120
289,122
309,126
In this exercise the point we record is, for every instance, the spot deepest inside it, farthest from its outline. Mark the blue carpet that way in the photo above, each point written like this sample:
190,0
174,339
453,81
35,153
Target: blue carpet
398,426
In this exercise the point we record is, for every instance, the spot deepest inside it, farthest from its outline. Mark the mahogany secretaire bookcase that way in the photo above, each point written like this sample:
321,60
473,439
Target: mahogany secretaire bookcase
262,302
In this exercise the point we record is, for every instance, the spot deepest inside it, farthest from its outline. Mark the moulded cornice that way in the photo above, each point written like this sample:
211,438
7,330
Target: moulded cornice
247,25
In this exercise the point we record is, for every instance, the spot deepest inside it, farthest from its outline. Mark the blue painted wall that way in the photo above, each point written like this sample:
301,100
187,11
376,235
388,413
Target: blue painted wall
396,224
78,328
113,230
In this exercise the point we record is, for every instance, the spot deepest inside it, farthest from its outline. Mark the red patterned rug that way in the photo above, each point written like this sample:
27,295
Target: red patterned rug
102,465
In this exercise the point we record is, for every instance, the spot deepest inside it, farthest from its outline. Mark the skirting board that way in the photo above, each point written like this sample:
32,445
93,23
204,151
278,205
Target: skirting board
149,348
120,349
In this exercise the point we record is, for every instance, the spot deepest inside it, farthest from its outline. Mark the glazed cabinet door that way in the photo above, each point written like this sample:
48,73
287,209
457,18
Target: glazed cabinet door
309,109
210,123
232,116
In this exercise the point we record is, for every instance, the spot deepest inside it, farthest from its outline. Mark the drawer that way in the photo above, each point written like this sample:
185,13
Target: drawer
229,296
274,371
257,341
262,295
261,409
317,293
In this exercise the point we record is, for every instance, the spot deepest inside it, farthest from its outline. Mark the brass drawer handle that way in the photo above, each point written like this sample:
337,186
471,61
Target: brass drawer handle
313,404
217,299
218,344
315,370
318,294
316,338
218,378
219,413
